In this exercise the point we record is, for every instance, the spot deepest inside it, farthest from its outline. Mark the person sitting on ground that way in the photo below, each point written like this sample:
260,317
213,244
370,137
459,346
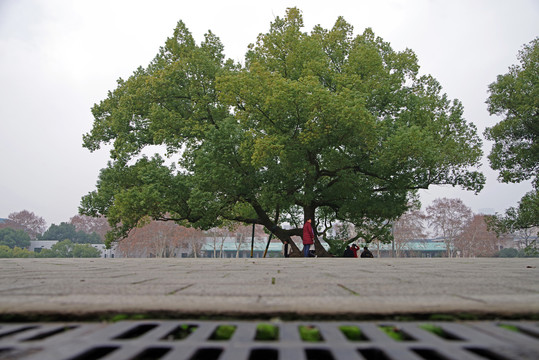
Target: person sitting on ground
355,248
348,252
366,253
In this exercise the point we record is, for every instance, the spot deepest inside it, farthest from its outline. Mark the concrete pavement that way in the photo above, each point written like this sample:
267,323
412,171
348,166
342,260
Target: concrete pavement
322,288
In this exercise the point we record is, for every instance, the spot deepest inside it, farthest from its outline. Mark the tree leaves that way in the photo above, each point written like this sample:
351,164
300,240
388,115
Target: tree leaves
321,122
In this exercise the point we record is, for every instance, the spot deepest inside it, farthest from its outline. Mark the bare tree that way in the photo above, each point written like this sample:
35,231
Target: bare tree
409,227
242,233
476,240
194,239
218,237
449,218
89,225
34,225
155,239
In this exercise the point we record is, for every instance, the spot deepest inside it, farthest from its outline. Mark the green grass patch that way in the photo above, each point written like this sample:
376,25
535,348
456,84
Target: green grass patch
436,330
509,327
352,333
130,317
310,333
267,332
223,332
394,333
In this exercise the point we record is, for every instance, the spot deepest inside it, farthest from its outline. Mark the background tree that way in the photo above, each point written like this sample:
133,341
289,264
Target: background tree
16,252
62,249
409,227
322,125
85,251
216,239
11,238
6,251
477,240
68,249
90,225
515,152
161,239
154,239
244,235
342,235
66,231
34,224
448,218
22,253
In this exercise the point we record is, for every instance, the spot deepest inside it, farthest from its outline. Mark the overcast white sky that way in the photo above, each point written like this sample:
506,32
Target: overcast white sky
59,57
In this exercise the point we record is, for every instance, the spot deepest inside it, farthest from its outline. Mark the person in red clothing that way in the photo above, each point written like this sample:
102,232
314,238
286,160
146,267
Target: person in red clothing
354,248
308,237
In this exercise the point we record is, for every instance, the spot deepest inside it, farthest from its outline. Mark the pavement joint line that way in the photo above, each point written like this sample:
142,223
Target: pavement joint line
180,289
349,290
471,299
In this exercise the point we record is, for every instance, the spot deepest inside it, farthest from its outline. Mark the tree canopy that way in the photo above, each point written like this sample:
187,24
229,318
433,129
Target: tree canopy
66,231
515,152
323,125
12,238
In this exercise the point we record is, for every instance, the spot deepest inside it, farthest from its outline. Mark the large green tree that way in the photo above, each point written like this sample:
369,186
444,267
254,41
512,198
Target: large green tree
322,124
515,153
66,231
11,237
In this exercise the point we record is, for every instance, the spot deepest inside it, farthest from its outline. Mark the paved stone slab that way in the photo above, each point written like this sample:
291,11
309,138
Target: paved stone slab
321,287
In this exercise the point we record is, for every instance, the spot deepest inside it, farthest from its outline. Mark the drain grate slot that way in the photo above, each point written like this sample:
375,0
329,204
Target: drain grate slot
373,354
486,354
264,354
95,353
50,333
251,340
17,331
180,332
429,354
207,354
318,354
136,332
153,353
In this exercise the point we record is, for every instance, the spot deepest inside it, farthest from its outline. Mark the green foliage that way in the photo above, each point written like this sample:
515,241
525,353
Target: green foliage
309,333
67,249
67,231
515,96
267,332
85,251
16,252
525,216
393,332
5,251
436,330
509,327
529,251
352,333
127,317
336,246
515,152
322,123
22,253
12,238
508,253
223,332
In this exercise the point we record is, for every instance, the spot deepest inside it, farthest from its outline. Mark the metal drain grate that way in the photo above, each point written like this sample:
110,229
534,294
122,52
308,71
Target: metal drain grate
251,340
